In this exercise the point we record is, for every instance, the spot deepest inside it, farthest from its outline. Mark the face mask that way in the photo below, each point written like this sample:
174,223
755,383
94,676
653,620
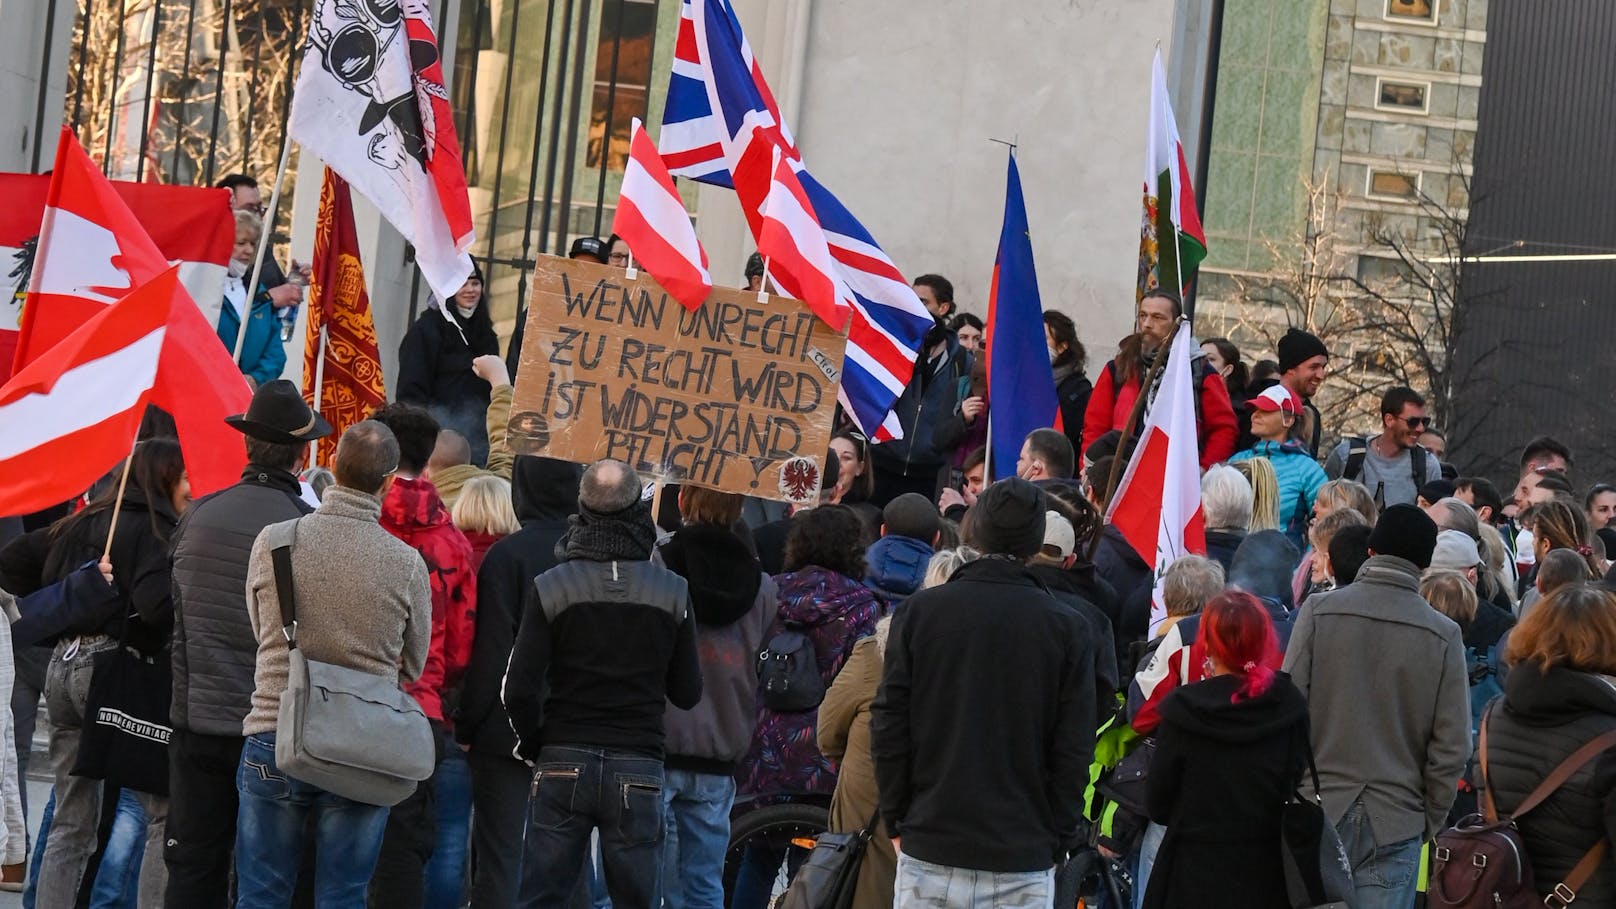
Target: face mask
465,311
237,270
1053,356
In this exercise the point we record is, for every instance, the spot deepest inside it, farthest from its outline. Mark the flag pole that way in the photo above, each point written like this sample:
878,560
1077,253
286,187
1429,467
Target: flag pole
263,246
1133,422
763,289
117,501
319,386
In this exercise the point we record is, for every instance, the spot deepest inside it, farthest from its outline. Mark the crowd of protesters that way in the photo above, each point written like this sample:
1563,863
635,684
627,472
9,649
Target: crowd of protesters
984,676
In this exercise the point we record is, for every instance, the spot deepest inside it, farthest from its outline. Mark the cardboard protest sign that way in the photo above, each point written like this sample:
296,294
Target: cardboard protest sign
737,395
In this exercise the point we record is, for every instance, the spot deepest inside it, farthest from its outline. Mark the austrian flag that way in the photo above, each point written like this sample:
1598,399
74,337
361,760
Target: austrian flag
72,413
652,219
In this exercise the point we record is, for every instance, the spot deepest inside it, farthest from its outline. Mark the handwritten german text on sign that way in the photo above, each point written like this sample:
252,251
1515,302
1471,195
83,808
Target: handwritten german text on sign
737,395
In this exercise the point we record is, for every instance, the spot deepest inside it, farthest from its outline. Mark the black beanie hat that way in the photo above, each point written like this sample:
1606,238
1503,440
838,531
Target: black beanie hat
1297,347
1008,519
1407,532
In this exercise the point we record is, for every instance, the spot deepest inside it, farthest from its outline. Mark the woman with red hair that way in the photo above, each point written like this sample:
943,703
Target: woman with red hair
1229,751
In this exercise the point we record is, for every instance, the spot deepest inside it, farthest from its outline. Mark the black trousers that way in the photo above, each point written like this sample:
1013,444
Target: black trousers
407,844
202,803
499,790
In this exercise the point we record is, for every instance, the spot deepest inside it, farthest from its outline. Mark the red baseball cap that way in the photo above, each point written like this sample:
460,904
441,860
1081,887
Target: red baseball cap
1277,398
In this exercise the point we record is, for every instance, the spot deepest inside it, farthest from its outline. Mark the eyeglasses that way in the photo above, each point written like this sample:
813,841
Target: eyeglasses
617,257
1417,422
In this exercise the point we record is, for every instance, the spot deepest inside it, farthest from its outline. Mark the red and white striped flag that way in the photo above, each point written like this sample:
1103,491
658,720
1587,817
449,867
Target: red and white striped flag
793,243
370,101
72,413
652,219
75,275
1157,506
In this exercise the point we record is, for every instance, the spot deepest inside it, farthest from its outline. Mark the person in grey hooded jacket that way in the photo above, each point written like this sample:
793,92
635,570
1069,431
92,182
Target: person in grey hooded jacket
735,603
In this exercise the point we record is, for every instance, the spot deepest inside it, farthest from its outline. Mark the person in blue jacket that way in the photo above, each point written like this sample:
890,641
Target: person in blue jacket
262,356
1273,412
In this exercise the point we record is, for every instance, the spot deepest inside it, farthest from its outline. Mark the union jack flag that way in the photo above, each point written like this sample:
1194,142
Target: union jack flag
720,108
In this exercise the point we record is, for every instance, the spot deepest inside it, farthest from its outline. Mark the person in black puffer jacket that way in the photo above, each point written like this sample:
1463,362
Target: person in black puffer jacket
735,603
434,364
545,493
1559,696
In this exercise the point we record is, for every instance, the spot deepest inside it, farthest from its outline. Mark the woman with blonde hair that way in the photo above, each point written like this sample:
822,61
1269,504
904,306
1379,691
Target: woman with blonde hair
1558,525
844,735
1558,697
1332,496
1264,492
484,513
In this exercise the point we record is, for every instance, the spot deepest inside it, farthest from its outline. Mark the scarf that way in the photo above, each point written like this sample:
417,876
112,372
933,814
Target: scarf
617,536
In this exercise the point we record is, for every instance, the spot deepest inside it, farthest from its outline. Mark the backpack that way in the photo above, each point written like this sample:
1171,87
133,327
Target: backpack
1358,449
1482,861
788,672
1482,667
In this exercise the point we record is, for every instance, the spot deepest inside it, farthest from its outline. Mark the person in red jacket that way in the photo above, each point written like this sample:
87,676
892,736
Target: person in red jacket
424,846
1116,389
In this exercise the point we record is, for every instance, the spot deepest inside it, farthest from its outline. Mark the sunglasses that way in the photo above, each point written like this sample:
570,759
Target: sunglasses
1417,422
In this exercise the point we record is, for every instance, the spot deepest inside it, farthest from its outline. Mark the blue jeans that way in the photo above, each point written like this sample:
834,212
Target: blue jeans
446,871
275,813
118,874
922,885
1149,845
579,790
1384,877
696,826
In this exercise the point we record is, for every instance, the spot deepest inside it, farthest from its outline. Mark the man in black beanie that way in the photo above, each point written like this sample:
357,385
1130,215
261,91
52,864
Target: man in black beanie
1389,697
1302,362
983,728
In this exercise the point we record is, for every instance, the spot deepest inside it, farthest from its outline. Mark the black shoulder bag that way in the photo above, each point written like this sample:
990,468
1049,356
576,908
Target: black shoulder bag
829,876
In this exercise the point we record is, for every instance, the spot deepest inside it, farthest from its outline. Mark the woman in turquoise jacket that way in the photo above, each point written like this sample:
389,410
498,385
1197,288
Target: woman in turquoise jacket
262,355
1273,413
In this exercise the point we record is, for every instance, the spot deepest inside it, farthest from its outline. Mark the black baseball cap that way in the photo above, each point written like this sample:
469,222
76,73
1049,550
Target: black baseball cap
590,247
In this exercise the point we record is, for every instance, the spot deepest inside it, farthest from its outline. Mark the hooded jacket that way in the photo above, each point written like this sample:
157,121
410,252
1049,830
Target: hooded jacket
1221,773
263,354
544,492
1262,567
1544,718
413,512
734,603
1385,679
896,567
833,611
215,650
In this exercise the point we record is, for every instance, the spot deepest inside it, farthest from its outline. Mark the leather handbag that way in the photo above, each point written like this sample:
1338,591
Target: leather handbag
1482,861
348,732
1317,873
828,878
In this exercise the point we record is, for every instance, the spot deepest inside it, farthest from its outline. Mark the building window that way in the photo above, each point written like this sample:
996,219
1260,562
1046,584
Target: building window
627,38
1389,184
1423,12
1407,97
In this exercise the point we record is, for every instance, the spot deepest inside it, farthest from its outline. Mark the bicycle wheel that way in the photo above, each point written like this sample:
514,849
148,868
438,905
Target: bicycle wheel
777,836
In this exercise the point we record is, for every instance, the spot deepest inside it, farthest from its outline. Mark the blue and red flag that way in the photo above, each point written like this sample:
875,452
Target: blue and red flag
721,126
1021,384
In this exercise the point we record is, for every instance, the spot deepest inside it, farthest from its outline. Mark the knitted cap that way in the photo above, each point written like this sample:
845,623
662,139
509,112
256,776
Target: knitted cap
1008,519
1407,532
1297,347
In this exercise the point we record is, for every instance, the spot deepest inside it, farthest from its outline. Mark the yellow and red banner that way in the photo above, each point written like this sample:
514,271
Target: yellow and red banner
349,384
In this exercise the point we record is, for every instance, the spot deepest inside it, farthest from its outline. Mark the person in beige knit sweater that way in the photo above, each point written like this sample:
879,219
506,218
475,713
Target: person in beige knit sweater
362,602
